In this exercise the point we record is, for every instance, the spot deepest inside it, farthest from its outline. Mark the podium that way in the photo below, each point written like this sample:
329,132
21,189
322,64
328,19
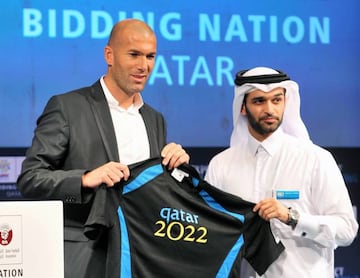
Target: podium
31,239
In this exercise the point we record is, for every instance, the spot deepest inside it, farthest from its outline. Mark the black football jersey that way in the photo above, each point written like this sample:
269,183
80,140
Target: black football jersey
161,226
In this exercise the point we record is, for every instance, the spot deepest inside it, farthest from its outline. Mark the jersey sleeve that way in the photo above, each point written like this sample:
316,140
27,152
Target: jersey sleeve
261,248
99,218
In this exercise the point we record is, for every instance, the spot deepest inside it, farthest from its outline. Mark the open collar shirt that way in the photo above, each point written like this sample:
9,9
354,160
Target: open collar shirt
131,136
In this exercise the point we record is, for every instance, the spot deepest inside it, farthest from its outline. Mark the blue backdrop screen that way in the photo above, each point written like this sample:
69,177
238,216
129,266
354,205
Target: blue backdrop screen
50,47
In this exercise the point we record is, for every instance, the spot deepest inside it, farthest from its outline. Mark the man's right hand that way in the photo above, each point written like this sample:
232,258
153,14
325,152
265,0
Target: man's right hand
109,173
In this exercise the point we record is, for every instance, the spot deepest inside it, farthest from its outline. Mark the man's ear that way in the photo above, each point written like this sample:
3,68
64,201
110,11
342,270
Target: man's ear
243,109
108,55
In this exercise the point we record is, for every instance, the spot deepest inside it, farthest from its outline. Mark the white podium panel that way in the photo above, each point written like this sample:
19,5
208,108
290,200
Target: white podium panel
31,239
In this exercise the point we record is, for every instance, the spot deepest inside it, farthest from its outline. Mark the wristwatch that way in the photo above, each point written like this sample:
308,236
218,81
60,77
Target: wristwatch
293,218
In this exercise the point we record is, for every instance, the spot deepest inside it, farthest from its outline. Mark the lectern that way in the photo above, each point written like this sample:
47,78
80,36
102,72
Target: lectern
31,239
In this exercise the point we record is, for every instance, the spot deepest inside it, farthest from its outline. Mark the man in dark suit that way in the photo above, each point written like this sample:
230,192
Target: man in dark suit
88,137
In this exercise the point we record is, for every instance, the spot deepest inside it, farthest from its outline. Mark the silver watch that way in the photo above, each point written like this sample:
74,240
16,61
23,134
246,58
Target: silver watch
293,218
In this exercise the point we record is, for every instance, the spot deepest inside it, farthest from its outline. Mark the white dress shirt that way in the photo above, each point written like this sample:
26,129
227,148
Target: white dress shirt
255,171
131,136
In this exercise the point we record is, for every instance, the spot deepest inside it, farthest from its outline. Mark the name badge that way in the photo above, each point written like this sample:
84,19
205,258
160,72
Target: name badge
287,194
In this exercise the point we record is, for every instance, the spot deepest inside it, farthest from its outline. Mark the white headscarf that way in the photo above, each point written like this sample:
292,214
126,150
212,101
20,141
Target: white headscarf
291,124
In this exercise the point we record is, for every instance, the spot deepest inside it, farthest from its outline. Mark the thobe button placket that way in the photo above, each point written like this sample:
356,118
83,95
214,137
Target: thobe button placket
259,175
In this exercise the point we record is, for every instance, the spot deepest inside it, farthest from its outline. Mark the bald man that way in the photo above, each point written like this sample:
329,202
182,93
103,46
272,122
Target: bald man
87,137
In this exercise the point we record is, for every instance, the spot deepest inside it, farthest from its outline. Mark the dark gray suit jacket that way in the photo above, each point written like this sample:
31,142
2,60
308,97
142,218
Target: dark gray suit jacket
75,134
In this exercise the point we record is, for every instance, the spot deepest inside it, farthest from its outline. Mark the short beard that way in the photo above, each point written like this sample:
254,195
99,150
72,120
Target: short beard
260,128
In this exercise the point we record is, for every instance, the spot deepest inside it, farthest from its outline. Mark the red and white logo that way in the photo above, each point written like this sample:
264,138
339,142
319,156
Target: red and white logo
6,234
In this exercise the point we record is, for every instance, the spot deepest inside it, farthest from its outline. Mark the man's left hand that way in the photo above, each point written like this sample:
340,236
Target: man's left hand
174,155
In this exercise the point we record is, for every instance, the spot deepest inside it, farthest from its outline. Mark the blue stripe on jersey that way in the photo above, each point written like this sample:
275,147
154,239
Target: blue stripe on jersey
231,256
144,177
215,205
225,268
125,257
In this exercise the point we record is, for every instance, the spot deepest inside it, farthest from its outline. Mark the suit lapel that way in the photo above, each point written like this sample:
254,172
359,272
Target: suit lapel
103,120
151,129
